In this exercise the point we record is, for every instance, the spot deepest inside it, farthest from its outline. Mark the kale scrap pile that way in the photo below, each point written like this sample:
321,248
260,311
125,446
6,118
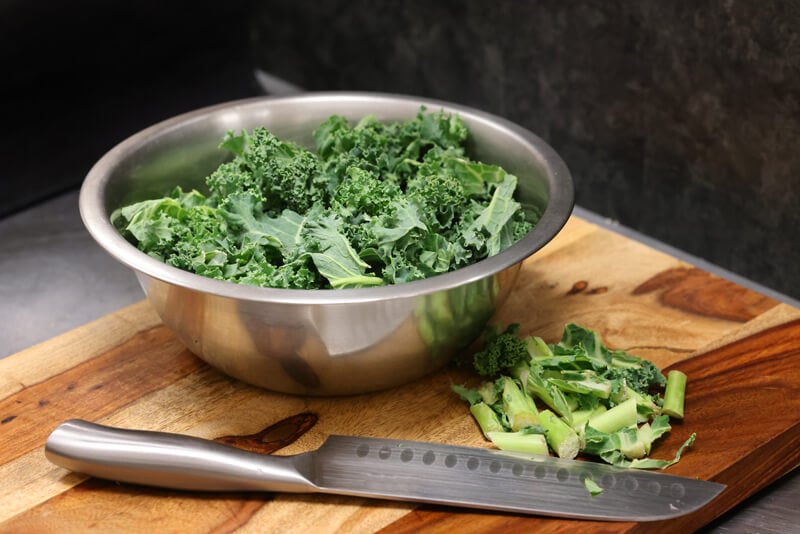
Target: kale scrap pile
376,203
574,396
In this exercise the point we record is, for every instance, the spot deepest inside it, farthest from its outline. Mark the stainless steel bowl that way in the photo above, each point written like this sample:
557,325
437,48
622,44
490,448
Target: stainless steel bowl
319,342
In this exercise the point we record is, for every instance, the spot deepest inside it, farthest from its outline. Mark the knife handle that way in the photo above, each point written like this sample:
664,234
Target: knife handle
172,460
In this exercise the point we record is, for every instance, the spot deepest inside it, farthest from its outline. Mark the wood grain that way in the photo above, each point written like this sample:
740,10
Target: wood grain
68,350
95,387
739,349
744,404
696,291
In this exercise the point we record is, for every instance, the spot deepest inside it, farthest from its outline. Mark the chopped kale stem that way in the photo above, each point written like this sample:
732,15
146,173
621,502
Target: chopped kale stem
580,395
520,441
674,394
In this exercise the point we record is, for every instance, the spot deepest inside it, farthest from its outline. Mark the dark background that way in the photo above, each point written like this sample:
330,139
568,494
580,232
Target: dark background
678,120
79,77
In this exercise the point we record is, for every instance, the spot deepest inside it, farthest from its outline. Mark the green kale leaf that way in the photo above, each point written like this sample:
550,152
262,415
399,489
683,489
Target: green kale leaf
375,203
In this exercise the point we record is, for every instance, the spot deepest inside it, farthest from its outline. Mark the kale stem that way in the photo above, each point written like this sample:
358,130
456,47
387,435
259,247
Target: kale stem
520,442
561,437
518,406
674,394
486,418
620,416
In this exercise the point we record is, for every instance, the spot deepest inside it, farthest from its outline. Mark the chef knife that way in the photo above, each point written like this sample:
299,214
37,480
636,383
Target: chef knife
381,468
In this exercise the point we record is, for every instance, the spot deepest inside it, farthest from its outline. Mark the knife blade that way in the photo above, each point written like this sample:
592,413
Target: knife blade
381,468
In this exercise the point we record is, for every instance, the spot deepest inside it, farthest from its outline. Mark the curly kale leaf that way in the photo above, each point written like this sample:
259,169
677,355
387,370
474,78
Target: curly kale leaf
640,375
157,225
440,198
250,223
582,348
363,194
442,129
502,351
333,256
378,203
285,174
474,176
392,149
495,226
385,149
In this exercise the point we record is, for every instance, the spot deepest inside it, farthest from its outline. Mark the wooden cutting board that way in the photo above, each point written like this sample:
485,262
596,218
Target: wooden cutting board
740,350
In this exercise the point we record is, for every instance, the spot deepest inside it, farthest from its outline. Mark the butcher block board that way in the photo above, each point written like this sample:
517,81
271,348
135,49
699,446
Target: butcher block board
741,351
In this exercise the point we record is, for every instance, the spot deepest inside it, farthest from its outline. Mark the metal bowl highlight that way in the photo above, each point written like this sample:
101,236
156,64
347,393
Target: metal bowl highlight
319,342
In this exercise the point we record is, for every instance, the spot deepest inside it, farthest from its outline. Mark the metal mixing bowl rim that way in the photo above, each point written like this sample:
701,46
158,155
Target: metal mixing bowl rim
97,222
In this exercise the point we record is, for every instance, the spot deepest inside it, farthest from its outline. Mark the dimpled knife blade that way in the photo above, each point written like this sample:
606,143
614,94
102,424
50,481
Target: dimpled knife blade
382,468
481,478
